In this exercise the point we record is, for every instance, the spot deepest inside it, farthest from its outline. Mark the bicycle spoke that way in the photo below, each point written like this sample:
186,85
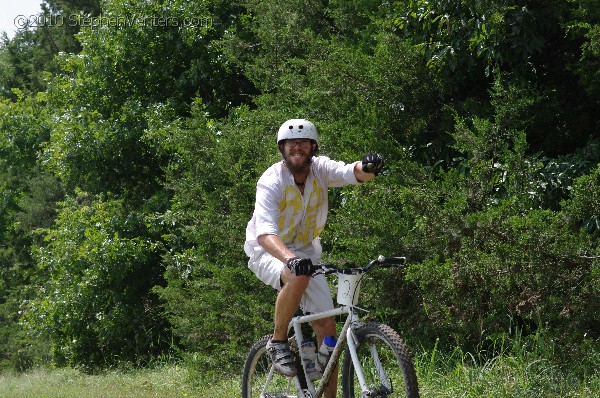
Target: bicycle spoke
259,378
378,366
385,363
375,367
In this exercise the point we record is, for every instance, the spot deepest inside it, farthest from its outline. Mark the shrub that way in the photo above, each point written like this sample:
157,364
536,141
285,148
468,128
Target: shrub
95,271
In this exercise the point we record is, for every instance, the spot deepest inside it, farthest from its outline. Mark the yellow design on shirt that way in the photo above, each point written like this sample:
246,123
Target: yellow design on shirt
310,230
290,209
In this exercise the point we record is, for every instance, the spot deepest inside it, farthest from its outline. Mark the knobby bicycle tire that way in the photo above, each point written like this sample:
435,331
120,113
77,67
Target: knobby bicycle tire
396,362
257,367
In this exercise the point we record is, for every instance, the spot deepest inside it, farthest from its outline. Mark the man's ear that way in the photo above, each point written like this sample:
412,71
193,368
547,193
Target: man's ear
314,148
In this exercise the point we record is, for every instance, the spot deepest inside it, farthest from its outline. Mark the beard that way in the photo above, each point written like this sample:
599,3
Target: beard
297,168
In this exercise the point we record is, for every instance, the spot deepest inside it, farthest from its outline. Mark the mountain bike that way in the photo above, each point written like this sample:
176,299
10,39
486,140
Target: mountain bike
376,362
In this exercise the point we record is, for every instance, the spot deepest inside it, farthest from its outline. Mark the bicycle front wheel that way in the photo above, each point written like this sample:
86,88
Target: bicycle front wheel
386,363
259,378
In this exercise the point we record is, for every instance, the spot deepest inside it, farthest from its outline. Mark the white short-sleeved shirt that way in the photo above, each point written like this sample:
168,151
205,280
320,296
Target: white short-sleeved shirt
297,219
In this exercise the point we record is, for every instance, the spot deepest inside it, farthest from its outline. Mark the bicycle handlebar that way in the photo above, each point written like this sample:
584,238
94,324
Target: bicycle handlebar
380,261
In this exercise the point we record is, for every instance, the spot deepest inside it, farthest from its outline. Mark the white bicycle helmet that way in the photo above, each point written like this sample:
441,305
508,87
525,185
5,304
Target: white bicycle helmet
297,129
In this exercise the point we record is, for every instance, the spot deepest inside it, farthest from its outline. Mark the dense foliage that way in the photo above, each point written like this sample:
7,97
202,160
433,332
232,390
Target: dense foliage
130,146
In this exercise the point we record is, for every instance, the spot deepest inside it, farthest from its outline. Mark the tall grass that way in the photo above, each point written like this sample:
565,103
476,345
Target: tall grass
521,367
460,375
517,370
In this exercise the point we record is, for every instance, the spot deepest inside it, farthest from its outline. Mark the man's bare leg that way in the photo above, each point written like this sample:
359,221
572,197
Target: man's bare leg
288,301
326,327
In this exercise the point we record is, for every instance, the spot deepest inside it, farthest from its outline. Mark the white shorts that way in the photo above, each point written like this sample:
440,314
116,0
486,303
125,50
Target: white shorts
316,297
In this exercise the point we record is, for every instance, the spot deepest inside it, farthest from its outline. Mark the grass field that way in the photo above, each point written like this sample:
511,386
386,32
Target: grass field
501,377
166,382
456,374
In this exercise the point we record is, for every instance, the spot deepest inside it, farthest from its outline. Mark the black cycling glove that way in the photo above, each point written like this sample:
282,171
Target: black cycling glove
300,266
372,163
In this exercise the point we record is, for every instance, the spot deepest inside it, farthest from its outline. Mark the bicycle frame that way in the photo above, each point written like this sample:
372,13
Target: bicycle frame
347,299
345,336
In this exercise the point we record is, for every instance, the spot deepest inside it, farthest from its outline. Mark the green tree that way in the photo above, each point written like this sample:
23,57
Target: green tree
213,301
110,108
129,73
30,55
585,27
27,196
485,113
464,44
95,273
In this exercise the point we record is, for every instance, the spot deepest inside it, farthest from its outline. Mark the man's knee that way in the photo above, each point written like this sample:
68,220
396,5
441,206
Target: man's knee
297,283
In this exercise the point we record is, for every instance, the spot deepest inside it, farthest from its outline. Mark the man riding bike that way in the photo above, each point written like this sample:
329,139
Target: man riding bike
282,238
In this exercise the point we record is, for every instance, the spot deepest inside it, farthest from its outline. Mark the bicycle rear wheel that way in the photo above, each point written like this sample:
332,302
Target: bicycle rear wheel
396,377
257,371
